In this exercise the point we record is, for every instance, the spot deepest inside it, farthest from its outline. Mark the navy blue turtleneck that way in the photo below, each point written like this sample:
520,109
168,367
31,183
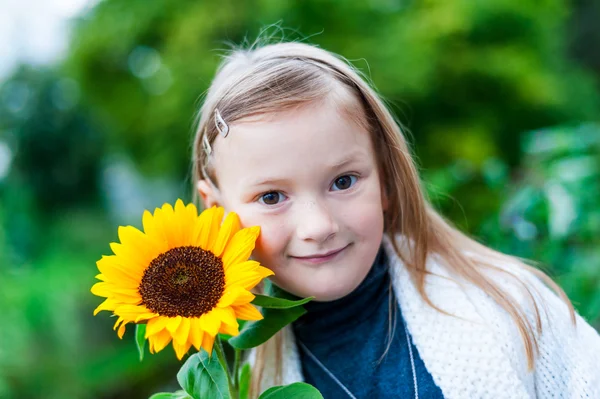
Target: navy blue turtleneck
349,335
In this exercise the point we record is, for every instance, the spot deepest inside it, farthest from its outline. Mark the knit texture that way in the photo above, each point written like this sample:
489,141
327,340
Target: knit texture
478,352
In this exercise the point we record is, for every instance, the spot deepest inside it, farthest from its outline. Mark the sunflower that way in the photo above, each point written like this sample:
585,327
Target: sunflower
187,276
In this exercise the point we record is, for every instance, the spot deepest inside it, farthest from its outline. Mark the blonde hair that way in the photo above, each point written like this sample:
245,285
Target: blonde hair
277,77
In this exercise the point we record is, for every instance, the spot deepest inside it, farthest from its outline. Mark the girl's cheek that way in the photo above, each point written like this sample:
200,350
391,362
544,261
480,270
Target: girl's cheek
270,245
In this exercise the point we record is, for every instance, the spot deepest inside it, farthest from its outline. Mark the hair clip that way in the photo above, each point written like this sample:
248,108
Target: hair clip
220,124
206,145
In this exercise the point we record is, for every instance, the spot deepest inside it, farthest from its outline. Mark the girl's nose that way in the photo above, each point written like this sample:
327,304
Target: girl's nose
315,223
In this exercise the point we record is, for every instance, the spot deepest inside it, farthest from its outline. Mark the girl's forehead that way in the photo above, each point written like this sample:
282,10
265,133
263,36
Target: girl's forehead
313,135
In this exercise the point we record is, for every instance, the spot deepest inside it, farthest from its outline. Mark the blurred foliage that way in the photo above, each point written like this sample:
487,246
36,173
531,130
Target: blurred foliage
84,145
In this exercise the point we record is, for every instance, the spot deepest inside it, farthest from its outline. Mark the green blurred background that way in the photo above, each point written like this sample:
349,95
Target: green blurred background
501,99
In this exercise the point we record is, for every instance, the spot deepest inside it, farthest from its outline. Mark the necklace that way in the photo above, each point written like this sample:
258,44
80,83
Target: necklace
339,383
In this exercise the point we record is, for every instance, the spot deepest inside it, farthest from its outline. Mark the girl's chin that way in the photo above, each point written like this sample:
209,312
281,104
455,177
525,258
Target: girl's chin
323,292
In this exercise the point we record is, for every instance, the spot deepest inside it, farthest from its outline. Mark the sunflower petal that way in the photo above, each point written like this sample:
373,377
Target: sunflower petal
152,228
159,341
230,226
209,323
121,331
132,272
196,333
139,245
207,343
236,295
210,220
183,331
226,315
156,325
240,246
108,304
247,312
145,316
229,330
173,324
110,289
246,280
181,349
264,272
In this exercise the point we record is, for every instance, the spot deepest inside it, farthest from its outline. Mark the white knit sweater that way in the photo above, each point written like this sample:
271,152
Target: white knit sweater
478,352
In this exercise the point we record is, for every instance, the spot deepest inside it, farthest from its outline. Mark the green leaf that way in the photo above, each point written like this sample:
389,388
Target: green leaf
203,377
271,302
258,332
298,390
140,339
245,378
169,395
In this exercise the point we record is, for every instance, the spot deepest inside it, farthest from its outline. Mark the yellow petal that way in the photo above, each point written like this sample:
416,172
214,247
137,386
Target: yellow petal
230,226
108,304
156,325
210,221
210,324
181,349
111,272
165,218
173,324
145,316
264,272
133,272
180,336
247,312
245,280
153,230
135,243
159,341
207,343
196,333
240,246
235,295
187,218
226,315
131,312
121,331
118,322
229,330
107,289
181,225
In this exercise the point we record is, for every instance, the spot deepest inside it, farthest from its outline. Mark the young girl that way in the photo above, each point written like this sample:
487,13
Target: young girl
292,139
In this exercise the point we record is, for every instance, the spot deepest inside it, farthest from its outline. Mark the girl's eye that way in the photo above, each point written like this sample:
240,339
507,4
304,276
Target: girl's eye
271,198
344,182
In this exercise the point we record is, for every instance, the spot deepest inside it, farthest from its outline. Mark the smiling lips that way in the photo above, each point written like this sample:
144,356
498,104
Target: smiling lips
321,258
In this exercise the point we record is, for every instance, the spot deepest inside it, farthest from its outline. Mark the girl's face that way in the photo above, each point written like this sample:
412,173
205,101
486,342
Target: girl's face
309,179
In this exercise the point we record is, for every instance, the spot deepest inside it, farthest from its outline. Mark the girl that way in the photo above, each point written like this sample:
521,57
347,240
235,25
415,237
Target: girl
294,140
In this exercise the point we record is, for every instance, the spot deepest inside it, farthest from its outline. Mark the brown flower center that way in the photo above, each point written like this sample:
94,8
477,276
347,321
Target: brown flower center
184,281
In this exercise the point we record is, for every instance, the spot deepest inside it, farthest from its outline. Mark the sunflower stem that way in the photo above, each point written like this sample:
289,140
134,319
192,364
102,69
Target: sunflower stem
236,369
221,355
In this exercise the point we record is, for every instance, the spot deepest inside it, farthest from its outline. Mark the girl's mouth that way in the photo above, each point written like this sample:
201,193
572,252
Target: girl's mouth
315,259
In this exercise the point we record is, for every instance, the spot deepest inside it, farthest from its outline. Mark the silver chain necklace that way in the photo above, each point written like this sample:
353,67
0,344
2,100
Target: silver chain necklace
350,394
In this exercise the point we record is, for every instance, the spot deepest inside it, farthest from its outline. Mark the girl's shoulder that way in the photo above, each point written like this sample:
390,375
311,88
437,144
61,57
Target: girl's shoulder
470,332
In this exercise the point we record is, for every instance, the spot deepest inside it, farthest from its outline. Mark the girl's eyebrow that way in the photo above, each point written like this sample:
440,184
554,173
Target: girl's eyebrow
267,181
352,158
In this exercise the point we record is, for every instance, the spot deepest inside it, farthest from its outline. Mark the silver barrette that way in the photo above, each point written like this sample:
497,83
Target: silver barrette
206,145
220,124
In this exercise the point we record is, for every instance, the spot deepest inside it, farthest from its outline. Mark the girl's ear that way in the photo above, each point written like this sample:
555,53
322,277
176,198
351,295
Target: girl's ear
208,193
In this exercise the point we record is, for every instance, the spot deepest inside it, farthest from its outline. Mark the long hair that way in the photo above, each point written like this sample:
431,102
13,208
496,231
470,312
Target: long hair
277,77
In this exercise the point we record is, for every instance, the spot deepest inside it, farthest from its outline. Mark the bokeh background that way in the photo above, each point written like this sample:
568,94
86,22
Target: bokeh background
501,100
